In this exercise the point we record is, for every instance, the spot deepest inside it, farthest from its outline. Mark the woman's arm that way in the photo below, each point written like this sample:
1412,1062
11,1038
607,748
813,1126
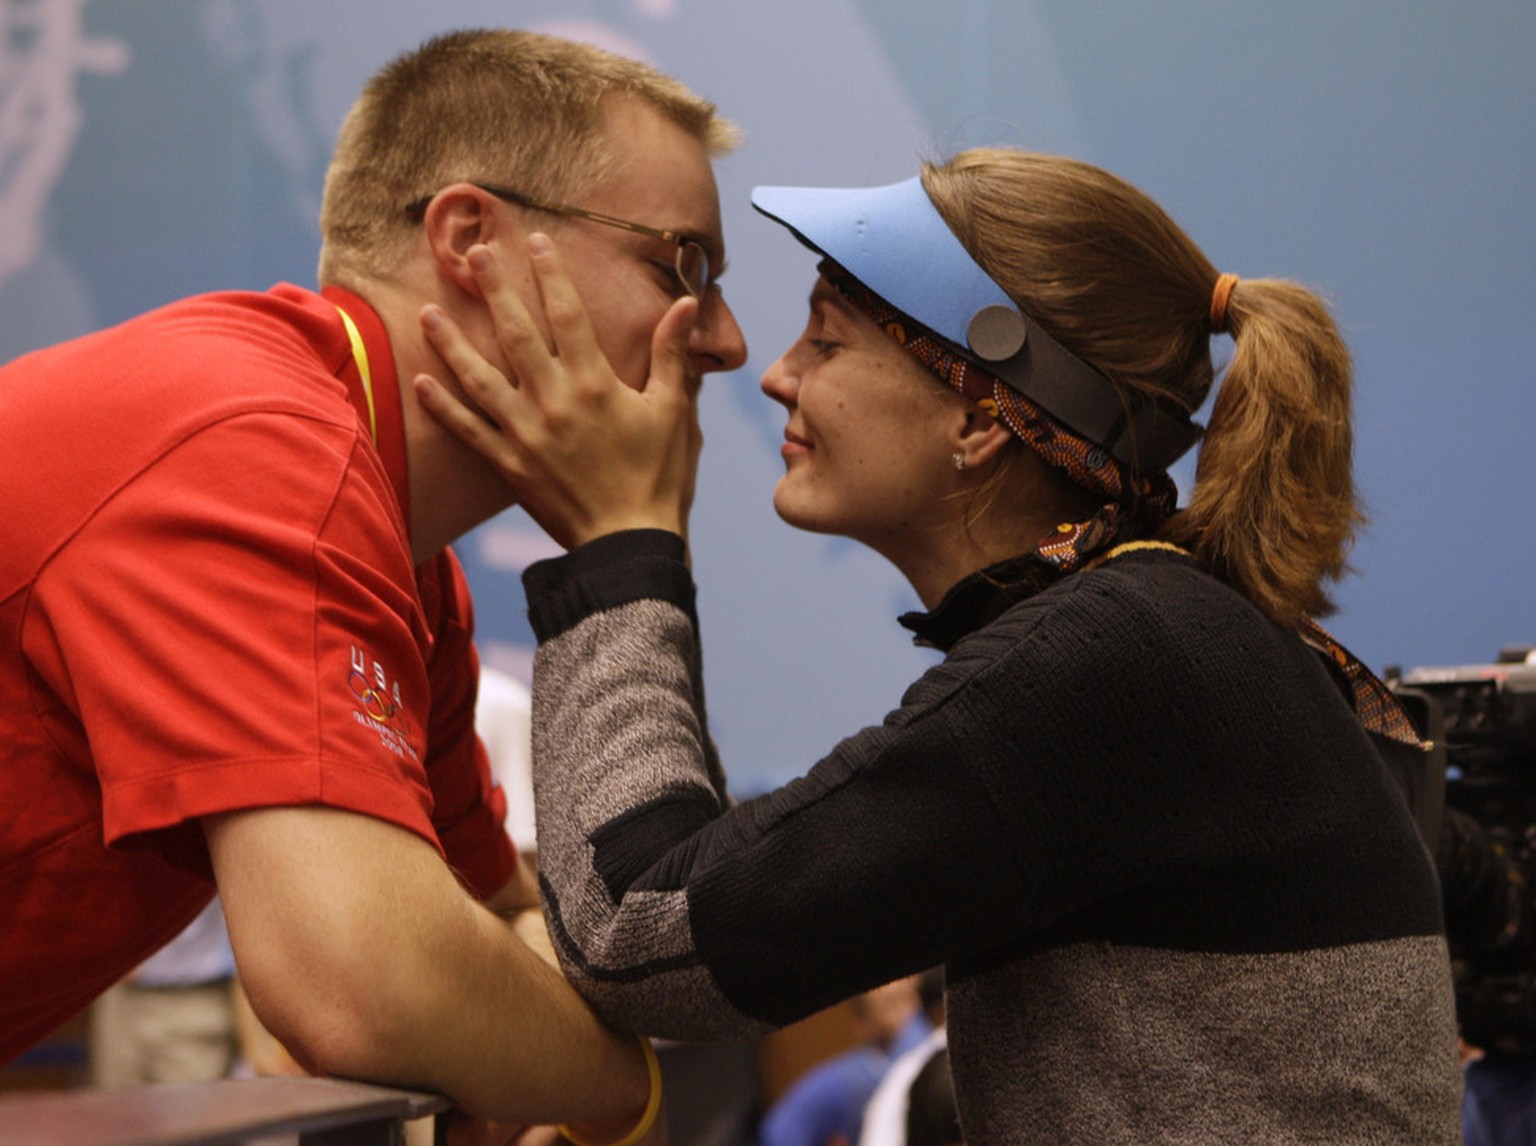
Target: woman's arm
685,917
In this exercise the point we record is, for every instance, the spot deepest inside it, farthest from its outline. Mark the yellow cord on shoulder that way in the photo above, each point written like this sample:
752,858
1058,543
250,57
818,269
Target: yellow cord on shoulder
1132,547
360,356
647,1117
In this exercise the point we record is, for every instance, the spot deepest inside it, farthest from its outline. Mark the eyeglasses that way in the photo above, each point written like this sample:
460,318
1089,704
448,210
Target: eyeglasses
691,264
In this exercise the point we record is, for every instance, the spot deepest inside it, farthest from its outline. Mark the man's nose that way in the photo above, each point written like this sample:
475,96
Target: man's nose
717,342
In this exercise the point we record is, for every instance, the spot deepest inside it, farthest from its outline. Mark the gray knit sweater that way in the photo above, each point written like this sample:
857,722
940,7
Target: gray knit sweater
1176,893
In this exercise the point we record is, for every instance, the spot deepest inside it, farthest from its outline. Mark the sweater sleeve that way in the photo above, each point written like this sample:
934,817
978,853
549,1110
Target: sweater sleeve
679,914
624,773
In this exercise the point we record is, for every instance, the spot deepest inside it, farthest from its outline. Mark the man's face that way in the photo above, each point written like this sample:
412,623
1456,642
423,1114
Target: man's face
662,179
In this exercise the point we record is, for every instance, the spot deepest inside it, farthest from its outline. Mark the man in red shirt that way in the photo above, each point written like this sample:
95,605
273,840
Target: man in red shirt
237,651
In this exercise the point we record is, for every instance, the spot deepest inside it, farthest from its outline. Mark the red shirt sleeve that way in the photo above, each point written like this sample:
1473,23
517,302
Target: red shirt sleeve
470,808
239,635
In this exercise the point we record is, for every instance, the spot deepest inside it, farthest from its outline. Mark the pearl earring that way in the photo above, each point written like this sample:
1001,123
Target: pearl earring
959,459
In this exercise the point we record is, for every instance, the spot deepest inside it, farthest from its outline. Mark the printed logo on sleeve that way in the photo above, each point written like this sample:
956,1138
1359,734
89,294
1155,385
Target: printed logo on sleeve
378,704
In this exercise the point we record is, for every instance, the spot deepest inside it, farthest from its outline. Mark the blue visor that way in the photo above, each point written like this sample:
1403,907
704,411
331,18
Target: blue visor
895,242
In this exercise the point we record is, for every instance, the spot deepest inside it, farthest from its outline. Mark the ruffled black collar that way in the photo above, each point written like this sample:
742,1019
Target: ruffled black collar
980,598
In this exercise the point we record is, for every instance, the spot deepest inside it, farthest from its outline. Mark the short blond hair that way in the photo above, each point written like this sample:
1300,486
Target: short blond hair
492,105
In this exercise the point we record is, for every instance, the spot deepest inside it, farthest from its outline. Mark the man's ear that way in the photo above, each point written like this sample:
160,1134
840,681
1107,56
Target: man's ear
459,217
980,437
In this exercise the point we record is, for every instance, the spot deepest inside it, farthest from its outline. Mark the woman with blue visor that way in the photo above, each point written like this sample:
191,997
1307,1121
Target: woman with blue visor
1138,812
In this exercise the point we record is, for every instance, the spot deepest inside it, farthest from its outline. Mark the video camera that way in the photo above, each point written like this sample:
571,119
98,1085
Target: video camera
1474,796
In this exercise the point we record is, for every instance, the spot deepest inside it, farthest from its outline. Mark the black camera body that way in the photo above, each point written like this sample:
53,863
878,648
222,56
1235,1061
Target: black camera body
1474,796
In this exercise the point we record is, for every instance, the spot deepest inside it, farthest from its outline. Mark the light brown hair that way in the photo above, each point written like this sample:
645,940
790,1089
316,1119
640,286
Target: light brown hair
493,105
1114,279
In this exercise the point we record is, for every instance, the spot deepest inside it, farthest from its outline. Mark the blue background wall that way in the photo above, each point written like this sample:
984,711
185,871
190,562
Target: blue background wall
1382,151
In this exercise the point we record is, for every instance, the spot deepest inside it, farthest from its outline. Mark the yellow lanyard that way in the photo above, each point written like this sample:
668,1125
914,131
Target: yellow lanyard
360,356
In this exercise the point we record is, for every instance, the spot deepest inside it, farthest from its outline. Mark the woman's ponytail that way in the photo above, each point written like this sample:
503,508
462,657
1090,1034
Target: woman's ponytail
1274,508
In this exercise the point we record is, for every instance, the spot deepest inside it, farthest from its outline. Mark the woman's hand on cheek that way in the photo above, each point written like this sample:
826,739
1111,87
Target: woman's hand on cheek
585,454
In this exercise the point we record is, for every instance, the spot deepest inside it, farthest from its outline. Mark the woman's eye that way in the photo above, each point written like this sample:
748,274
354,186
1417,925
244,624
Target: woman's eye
821,346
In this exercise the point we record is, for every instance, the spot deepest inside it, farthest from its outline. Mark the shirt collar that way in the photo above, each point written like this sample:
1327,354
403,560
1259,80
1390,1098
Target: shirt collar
378,402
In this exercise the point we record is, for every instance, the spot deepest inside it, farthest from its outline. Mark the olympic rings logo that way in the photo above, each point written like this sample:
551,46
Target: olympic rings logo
375,703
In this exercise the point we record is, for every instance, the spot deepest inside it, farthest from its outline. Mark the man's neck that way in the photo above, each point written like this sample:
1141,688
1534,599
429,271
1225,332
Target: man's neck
452,488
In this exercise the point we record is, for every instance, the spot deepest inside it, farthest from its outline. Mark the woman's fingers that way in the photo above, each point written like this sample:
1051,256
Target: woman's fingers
526,347
486,386
584,453
674,389
575,342
670,368
471,427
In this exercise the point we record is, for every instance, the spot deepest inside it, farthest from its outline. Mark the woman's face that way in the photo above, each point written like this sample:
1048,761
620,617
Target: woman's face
868,449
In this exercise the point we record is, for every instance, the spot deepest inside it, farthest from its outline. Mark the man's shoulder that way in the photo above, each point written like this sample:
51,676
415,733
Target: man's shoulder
163,401
270,343
222,359
198,358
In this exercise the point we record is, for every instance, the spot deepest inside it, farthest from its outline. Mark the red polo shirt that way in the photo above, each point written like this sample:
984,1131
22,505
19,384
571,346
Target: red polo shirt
208,603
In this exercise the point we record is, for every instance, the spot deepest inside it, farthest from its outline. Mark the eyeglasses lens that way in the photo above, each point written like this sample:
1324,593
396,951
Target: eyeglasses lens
693,268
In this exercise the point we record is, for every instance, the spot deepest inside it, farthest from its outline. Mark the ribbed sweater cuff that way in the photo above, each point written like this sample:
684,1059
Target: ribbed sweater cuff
614,570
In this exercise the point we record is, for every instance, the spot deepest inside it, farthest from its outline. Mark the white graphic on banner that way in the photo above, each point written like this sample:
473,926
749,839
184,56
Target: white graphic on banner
43,50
